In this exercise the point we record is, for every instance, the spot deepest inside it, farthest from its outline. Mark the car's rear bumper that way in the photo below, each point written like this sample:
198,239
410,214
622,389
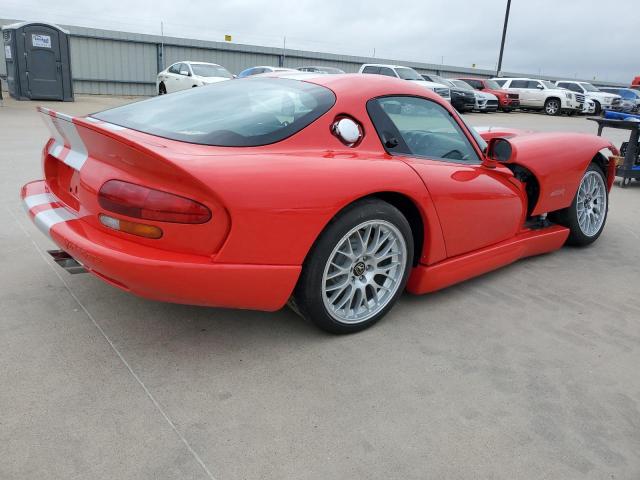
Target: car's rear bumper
154,273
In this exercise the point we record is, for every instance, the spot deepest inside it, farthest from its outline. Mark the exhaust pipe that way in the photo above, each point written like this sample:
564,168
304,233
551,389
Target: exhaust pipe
66,261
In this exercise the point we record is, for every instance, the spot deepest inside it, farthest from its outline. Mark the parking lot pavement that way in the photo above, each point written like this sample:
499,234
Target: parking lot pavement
527,372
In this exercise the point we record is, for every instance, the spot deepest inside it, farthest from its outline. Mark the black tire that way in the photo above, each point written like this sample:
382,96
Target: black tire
507,110
162,90
552,107
598,107
307,298
568,217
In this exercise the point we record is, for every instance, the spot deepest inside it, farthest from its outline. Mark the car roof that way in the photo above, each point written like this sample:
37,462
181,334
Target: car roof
355,84
197,63
383,65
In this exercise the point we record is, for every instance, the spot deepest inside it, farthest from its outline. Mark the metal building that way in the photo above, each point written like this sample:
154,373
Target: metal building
37,61
123,63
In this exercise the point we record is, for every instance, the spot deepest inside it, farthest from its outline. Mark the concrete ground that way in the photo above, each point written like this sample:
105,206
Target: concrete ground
528,372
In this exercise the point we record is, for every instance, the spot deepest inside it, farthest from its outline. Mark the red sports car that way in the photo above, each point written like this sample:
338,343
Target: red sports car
507,100
330,192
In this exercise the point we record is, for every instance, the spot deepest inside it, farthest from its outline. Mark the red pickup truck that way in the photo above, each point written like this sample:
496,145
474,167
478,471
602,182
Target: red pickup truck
635,83
507,101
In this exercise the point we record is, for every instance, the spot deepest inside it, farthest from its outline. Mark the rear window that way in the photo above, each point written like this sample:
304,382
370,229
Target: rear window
237,113
209,70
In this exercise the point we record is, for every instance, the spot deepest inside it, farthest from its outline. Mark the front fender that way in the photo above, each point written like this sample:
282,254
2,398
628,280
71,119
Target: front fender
558,161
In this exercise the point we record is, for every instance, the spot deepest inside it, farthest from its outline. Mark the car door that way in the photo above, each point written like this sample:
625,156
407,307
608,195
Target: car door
536,92
184,79
173,78
477,206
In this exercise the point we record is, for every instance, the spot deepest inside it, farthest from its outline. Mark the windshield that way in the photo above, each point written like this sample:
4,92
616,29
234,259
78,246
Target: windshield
207,70
492,85
462,84
242,113
408,74
443,81
589,88
478,138
548,84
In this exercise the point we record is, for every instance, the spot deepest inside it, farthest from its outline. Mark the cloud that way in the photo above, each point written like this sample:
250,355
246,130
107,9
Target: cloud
563,38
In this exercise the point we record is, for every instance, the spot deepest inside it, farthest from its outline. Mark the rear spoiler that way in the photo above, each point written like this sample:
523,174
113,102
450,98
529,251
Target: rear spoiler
67,145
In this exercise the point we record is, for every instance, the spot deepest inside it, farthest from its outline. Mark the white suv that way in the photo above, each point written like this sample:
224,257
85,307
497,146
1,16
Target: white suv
405,73
543,95
603,100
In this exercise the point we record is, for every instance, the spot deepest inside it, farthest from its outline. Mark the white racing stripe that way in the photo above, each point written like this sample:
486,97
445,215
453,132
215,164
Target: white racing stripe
46,219
38,199
64,132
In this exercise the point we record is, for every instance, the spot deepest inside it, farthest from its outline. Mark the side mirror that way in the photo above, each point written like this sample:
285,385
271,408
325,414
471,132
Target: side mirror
185,73
499,150
539,87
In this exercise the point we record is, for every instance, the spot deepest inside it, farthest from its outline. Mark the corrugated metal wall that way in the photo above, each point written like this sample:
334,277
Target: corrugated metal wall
121,63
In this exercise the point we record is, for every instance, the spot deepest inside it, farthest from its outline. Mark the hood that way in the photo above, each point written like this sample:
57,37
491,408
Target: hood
464,91
485,95
603,95
427,84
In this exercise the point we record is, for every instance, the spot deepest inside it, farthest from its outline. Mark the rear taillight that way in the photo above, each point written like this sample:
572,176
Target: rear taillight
141,202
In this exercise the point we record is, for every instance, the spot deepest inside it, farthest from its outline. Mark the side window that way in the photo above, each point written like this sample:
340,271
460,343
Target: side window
573,87
420,127
387,71
371,70
519,84
175,68
501,82
183,67
533,84
474,83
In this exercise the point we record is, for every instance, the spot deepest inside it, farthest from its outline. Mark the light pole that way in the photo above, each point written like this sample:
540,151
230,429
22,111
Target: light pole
504,36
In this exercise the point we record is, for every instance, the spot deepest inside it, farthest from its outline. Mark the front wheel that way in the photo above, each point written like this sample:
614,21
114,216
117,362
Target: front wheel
552,106
587,214
598,108
357,269
162,90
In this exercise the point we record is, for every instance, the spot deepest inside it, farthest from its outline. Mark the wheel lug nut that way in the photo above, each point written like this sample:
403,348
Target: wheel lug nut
362,278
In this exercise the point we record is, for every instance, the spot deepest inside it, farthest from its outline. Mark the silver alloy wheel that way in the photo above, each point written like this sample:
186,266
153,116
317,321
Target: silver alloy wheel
591,203
552,107
364,271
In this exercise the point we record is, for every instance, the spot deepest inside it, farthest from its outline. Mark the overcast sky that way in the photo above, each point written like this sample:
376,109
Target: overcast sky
552,37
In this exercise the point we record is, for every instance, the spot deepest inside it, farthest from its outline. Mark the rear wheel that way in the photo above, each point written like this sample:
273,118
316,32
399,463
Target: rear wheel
162,90
587,214
506,110
552,106
357,269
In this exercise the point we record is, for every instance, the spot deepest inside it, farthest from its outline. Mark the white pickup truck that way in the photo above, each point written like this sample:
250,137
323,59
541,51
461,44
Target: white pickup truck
603,100
543,95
